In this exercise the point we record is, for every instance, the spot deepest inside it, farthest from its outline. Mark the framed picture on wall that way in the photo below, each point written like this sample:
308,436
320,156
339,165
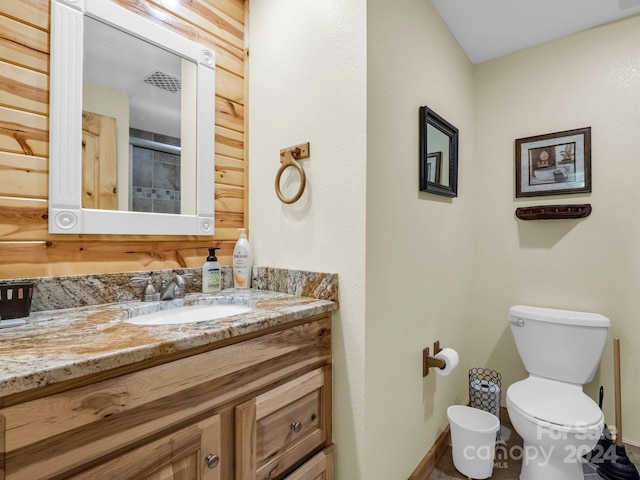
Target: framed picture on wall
434,163
554,164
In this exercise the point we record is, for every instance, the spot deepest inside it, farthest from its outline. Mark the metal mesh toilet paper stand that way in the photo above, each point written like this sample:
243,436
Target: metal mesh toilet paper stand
484,390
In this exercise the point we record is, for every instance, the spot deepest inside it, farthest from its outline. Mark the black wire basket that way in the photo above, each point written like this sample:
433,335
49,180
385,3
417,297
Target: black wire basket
484,390
15,300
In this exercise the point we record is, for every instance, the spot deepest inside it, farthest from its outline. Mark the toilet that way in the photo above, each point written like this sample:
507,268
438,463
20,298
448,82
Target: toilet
558,423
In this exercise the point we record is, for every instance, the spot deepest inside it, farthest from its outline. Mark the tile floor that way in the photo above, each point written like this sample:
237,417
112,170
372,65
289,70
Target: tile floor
506,467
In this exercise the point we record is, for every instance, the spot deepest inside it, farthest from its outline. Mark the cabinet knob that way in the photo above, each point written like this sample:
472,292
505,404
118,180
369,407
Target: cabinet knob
296,427
212,460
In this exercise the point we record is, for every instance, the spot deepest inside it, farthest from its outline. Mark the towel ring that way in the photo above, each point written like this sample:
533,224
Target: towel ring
288,159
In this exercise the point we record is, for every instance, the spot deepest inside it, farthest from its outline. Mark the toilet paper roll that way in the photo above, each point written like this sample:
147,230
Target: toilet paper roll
450,357
485,395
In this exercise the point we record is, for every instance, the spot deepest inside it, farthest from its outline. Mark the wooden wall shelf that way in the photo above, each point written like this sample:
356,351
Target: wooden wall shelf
553,212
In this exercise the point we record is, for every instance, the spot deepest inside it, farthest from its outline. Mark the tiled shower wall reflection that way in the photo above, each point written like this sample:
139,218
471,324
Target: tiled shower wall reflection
155,176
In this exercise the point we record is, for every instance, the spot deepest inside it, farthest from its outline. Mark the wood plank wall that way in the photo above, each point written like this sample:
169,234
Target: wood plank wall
26,247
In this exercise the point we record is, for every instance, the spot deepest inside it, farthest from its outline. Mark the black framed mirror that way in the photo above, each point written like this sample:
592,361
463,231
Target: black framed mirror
438,154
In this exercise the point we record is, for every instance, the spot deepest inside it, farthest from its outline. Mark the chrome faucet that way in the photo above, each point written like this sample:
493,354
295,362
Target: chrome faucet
149,294
176,288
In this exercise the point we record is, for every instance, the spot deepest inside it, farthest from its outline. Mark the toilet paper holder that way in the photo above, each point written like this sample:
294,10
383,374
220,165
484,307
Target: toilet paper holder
430,361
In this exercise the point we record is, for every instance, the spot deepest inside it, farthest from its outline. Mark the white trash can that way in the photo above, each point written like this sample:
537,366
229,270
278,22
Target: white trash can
473,440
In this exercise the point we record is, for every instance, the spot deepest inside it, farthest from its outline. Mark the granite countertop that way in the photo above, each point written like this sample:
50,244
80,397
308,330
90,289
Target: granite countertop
60,345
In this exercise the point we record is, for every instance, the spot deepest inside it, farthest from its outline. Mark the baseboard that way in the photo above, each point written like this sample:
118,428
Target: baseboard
633,452
428,463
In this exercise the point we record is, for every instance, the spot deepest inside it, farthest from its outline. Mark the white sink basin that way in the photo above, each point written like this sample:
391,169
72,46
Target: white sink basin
190,314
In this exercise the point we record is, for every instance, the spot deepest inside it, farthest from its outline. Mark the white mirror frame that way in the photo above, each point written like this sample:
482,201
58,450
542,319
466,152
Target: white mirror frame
66,214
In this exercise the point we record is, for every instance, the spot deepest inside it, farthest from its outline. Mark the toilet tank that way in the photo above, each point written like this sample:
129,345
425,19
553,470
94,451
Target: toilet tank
559,344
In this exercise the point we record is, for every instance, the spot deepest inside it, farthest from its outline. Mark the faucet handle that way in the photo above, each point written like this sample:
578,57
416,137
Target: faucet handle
149,294
184,276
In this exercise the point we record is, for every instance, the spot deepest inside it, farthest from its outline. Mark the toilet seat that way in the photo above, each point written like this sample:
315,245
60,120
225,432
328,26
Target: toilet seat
557,405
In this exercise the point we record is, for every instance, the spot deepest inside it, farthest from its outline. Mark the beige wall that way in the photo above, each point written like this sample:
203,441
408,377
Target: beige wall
308,83
419,246
588,79
415,268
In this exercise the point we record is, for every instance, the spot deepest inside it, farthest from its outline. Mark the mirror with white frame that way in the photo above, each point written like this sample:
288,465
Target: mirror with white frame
132,112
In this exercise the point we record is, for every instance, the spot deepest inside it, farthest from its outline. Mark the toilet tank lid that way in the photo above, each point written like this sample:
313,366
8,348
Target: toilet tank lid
552,315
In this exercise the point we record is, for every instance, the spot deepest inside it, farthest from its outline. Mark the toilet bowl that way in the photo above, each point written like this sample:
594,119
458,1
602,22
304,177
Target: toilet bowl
558,423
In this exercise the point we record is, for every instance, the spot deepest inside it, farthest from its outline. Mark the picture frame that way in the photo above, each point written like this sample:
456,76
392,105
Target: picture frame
434,167
554,163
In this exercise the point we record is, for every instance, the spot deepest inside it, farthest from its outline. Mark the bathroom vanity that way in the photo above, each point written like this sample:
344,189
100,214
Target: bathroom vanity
85,395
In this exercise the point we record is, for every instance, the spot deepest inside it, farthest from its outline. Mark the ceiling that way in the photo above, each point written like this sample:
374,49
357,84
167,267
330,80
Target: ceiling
487,29
129,65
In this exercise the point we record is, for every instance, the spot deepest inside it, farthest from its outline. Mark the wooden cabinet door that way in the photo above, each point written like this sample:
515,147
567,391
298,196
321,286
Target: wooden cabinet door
99,162
280,428
187,454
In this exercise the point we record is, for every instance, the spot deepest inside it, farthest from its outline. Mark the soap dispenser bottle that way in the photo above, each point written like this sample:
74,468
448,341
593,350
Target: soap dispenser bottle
242,262
211,275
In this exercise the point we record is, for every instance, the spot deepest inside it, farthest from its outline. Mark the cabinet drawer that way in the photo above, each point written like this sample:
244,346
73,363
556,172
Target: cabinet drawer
290,425
283,426
320,467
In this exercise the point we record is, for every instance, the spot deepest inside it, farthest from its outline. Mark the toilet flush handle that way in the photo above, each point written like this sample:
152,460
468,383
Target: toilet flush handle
518,322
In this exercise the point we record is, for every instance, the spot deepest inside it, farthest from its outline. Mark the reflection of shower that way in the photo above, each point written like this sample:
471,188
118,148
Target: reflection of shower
157,146
155,172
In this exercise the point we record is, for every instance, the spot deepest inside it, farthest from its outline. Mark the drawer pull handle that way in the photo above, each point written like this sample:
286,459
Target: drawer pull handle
296,427
212,460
